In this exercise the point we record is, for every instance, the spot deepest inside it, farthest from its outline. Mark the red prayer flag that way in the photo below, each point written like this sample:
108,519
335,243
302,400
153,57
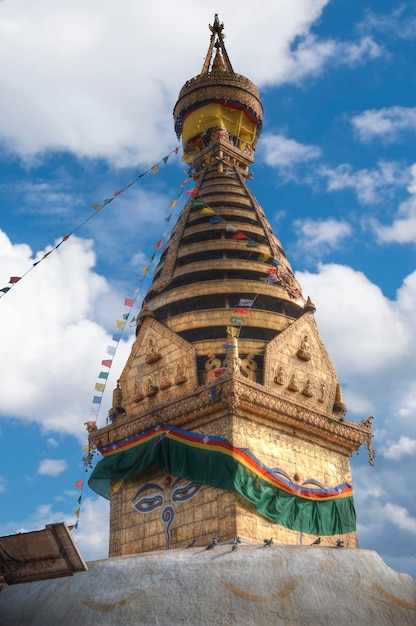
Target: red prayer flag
14,279
159,244
176,150
66,237
271,270
239,236
79,484
117,193
241,311
192,192
106,362
128,301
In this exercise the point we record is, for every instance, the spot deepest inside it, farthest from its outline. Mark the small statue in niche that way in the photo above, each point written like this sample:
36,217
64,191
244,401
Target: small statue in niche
180,377
164,378
138,393
152,353
151,388
249,366
322,389
293,385
307,390
304,351
279,378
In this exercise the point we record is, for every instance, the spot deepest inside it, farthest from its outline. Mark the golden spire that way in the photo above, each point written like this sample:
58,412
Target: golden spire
217,41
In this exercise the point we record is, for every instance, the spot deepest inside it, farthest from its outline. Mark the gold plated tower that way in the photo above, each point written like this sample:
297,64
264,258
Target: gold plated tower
233,421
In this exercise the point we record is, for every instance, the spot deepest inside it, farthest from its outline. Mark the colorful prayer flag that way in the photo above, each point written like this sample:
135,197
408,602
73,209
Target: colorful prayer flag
96,400
107,362
120,325
155,169
173,204
233,331
14,279
192,192
245,302
77,512
239,236
264,257
252,244
86,448
159,244
228,346
99,387
116,337
271,270
6,289
276,262
146,269
241,311
97,207
236,320
103,375
207,211
165,159
272,279
79,484
111,350
216,219
230,228
128,302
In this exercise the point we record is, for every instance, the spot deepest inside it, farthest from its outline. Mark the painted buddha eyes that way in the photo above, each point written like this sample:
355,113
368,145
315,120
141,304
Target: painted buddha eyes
148,503
181,494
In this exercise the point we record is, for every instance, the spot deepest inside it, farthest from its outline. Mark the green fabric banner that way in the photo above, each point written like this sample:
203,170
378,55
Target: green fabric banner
214,462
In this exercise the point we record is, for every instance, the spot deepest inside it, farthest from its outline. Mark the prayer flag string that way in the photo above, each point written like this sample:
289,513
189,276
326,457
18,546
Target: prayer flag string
97,207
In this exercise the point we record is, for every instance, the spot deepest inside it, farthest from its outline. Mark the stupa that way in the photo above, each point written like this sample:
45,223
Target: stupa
228,418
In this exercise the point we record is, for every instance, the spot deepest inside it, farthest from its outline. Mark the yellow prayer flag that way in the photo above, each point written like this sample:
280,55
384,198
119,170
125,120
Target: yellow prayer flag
264,257
120,325
233,331
155,169
77,512
173,204
116,486
146,269
99,386
47,254
207,211
97,207
86,448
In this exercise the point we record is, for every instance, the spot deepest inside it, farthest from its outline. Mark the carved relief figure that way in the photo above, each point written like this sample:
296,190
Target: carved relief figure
249,366
152,353
137,393
293,385
322,392
304,351
164,378
212,364
151,388
279,378
180,376
307,390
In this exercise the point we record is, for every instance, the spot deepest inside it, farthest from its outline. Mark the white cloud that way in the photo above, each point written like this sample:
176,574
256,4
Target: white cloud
399,24
403,228
52,467
285,154
396,451
318,237
52,442
400,517
83,81
370,185
388,123
54,356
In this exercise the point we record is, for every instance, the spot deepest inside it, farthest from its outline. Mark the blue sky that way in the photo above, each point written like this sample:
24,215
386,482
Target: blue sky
87,96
